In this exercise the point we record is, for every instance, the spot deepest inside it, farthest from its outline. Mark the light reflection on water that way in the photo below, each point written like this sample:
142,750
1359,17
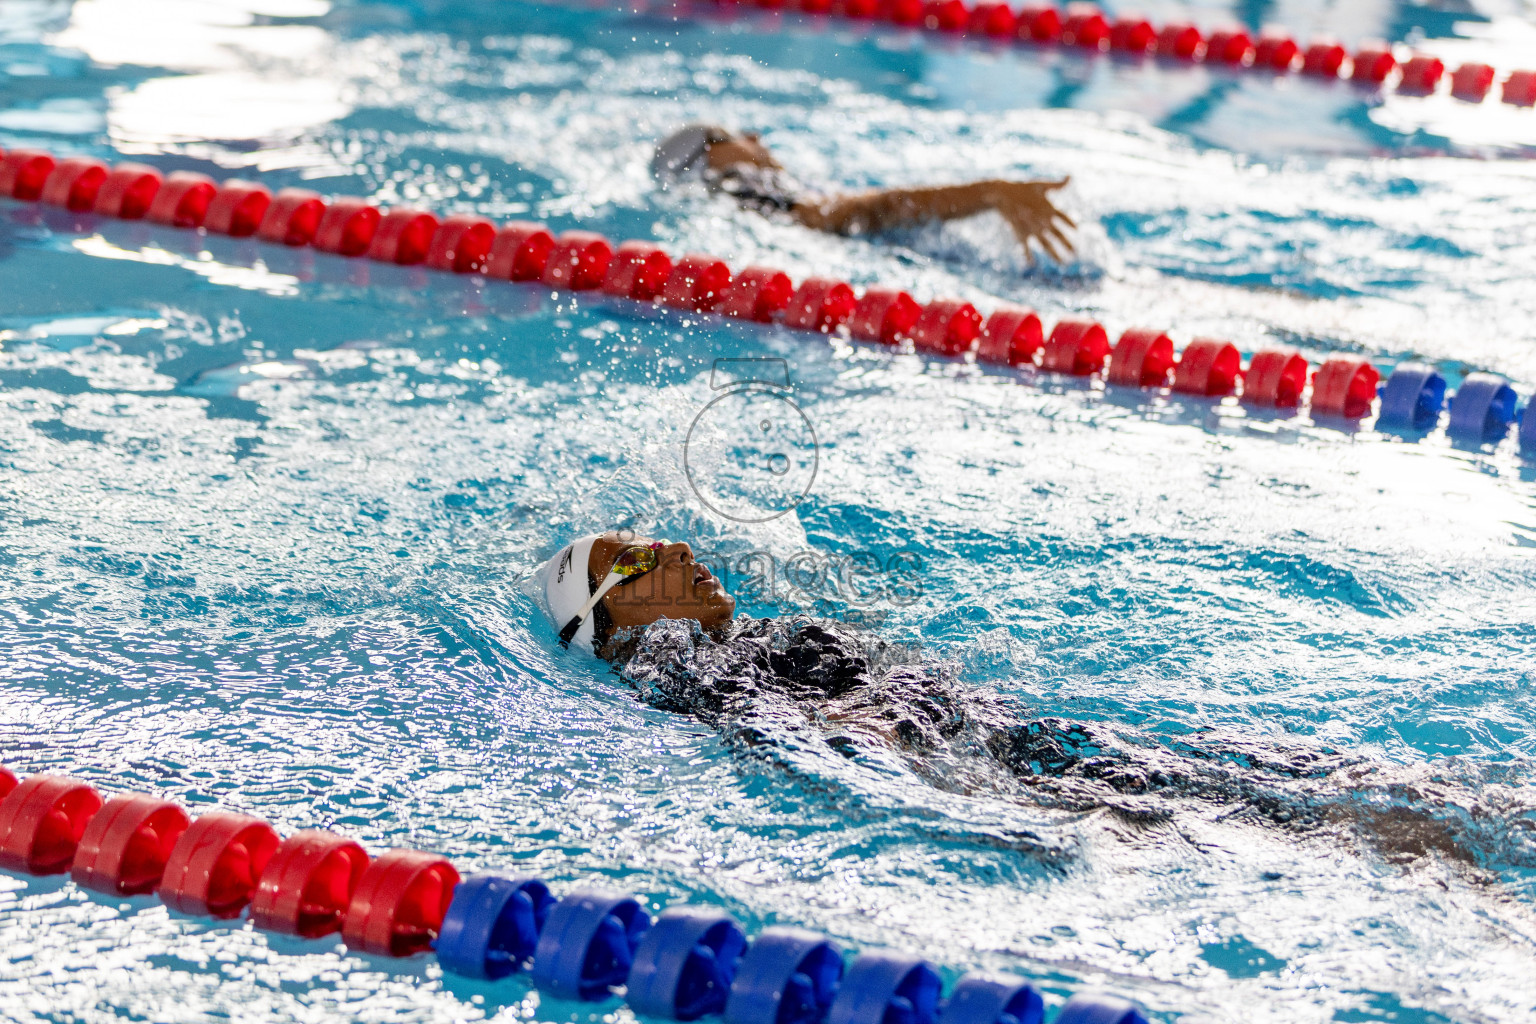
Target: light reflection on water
267,514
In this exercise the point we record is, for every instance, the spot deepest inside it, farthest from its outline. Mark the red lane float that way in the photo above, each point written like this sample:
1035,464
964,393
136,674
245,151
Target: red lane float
1472,82
1132,35
74,184
1520,89
696,283
24,172
639,270
1207,367
237,208
1230,46
579,261
947,326
819,304
293,218
1373,64
124,849
1078,347
1324,58
757,293
8,781
520,252
41,822
1085,26
1276,52
1141,359
853,8
127,191
900,12
1275,378
945,15
1421,75
1180,42
1010,337
462,245
1344,386
884,315
399,903
403,237
1039,24
214,867
347,227
995,20
182,201
308,883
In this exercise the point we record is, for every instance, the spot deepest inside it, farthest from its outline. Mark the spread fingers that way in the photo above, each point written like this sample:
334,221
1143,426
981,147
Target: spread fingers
1066,243
1050,247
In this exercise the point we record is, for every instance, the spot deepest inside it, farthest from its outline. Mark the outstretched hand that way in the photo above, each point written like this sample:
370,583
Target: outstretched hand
1027,207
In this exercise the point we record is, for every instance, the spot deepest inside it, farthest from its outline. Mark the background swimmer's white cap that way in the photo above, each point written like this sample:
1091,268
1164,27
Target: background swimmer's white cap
684,148
564,580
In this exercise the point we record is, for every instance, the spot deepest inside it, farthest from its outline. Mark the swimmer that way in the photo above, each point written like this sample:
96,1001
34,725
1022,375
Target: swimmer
670,628
740,166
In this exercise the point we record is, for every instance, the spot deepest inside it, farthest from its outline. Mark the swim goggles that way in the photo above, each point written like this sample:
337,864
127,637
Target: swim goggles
633,562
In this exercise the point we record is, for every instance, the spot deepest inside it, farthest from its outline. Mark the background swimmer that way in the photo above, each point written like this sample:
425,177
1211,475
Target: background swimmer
739,165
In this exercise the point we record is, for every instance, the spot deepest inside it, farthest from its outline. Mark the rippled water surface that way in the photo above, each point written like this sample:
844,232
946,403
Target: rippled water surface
266,516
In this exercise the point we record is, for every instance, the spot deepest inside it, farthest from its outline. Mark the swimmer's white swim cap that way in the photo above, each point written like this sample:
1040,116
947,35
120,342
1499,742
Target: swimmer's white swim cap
564,580
683,150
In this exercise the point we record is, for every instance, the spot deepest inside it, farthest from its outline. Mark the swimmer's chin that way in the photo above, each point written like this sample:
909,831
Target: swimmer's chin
710,593
713,592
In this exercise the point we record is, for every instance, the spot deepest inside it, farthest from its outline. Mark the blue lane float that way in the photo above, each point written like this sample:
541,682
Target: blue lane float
1528,429
588,944
685,964
1092,1008
994,999
694,962
1482,409
884,987
789,976
492,926
1412,398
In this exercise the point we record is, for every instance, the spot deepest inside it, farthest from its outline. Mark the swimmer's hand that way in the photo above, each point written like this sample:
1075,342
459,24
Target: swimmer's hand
1025,205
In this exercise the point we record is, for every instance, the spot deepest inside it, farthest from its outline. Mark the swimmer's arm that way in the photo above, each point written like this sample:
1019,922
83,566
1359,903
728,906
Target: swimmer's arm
1026,205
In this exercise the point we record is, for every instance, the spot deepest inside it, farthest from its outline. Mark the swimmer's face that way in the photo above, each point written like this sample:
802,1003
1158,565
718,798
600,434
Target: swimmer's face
739,149
678,588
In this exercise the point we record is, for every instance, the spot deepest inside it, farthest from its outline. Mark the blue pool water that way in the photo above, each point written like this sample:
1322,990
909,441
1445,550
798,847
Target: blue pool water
266,516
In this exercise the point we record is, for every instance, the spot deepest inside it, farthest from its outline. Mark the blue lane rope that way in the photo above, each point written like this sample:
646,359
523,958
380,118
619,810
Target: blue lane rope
692,962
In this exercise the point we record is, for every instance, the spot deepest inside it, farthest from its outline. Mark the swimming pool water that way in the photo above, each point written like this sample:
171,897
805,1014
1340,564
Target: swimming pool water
266,515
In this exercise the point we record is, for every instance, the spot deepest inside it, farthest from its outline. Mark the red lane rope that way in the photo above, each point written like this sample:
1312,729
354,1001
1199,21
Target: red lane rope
313,883
1083,28
583,261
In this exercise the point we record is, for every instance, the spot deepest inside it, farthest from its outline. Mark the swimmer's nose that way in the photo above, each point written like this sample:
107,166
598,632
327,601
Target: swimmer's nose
680,551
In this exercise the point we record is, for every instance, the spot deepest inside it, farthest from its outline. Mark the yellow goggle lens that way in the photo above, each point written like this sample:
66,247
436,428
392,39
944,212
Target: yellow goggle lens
633,561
